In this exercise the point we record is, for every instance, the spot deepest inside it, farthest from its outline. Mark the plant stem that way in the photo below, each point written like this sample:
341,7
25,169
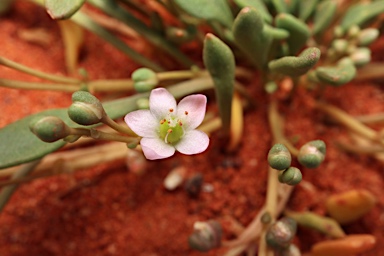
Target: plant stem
350,122
122,129
99,135
38,86
55,78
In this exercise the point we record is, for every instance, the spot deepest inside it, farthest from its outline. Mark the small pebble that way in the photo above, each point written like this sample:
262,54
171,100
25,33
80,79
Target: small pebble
175,178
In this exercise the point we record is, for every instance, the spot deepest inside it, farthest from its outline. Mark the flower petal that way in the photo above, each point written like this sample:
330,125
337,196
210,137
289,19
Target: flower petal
191,110
142,122
155,148
160,102
193,142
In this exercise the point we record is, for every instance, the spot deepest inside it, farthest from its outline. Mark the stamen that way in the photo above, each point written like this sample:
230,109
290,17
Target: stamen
186,113
171,110
162,121
180,123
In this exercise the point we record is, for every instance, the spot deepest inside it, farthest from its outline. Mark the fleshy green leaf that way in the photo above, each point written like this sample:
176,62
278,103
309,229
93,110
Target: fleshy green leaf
324,15
299,31
341,74
220,63
209,10
250,37
360,13
59,9
259,6
280,6
306,8
296,66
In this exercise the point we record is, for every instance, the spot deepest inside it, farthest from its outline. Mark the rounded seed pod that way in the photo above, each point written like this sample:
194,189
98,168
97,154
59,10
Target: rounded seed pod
312,154
281,233
144,79
86,109
206,236
279,157
292,176
49,128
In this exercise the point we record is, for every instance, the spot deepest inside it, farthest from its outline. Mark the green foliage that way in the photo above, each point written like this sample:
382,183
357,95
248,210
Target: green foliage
306,8
59,9
361,13
298,30
296,66
208,10
337,75
324,15
257,5
220,63
250,36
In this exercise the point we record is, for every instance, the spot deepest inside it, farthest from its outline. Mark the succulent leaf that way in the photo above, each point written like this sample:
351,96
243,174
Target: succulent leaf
299,31
296,66
340,74
250,37
259,6
220,63
360,13
325,12
209,10
322,224
59,9
306,8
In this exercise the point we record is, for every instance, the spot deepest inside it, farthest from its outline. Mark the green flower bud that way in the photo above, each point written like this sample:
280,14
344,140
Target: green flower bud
86,109
206,236
49,128
312,154
177,35
353,31
281,233
367,36
361,56
279,157
144,79
292,176
340,45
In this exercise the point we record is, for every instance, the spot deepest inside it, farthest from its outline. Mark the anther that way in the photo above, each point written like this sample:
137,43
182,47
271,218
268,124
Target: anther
169,131
186,113
162,121
171,110
180,123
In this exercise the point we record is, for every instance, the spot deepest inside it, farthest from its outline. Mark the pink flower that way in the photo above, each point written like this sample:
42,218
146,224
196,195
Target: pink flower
167,127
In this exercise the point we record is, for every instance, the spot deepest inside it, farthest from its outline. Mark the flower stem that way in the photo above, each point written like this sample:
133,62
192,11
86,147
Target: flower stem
122,129
98,135
24,69
350,122
38,86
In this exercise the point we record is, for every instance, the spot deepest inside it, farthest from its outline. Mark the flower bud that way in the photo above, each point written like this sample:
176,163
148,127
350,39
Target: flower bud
86,109
279,157
361,56
281,233
206,236
340,45
144,80
312,154
367,36
292,176
177,35
49,128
